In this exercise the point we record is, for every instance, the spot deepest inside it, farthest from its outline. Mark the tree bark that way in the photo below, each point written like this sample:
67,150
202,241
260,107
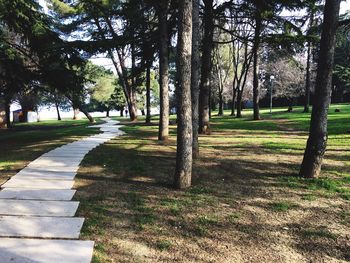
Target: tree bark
107,112
239,104
75,113
195,76
163,71
87,114
317,141
148,94
234,94
5,112
183,172
257,31
308,68
132,106
221,86
8,115
204,103
58,111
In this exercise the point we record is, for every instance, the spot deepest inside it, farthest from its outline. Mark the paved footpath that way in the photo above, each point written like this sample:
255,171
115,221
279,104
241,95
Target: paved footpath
37,222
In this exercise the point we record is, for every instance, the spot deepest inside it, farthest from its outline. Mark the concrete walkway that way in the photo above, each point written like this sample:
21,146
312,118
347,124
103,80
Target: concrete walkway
37,222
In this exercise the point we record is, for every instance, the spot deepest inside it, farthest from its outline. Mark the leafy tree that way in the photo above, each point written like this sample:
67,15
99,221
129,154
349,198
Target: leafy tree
317,141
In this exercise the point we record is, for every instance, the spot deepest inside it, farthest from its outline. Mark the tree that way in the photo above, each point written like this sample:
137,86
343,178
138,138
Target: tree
45,56
183,171
260,7
195,77
98,20
312,35
341,76
163,70
317,141
222,60
289,77
207,46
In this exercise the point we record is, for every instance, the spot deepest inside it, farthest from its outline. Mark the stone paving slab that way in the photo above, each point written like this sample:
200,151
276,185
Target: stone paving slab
84,143
77,146
37,208
19,250
76,150
27,173
44,176
93,139
34,203
38,183
65,152
43,163
42,227
60,158
52,169
37,194
62,154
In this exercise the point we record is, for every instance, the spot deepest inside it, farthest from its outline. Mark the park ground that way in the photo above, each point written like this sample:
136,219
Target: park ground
246,203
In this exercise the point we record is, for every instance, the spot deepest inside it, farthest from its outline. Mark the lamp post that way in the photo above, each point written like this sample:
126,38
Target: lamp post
272,78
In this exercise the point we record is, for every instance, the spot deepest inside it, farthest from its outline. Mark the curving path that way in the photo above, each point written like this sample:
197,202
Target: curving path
37,222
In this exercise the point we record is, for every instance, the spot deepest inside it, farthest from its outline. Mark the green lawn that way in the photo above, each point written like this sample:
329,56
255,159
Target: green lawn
246,197
246,204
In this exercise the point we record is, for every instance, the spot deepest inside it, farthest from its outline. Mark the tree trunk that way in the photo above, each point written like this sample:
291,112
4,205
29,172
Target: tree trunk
75,113
258,24
308,68
58,111
148,94
234,94
87,114
204,103
107,112
317,141
8,114
221,88
5,114
183,172
239,104
132,106
132,92
221,105
163,71
195,77
122,113
308,80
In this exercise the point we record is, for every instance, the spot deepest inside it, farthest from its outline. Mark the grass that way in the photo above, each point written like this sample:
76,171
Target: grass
27,141
281,206
246,196
319,233
163,245
245,186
